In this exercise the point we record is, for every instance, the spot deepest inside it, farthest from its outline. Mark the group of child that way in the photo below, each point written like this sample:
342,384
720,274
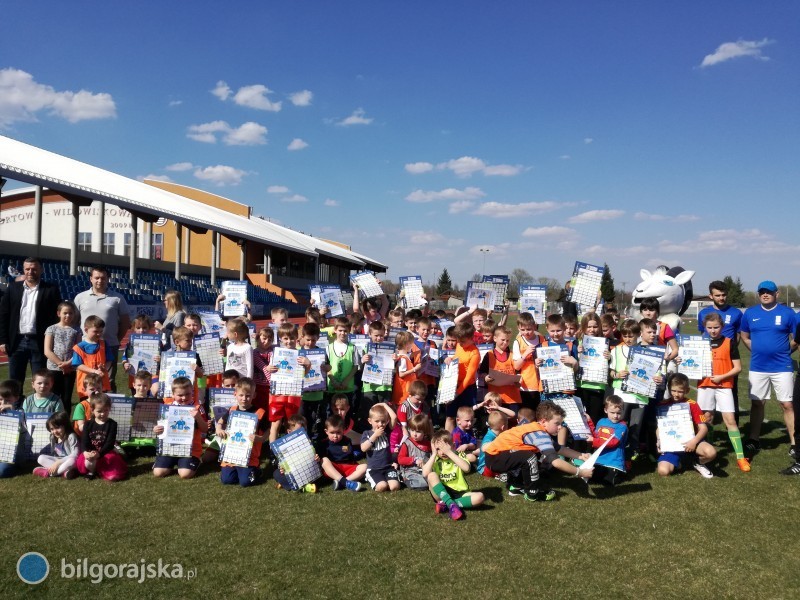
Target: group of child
405,435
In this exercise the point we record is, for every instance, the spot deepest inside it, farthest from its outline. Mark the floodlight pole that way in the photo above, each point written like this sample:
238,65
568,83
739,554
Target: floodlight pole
484,251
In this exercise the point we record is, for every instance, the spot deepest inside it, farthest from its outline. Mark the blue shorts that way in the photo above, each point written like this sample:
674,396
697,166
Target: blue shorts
465,398
673,458
172,462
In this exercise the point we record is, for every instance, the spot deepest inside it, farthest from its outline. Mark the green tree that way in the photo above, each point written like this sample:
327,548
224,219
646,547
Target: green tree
736,294
607,290
445,284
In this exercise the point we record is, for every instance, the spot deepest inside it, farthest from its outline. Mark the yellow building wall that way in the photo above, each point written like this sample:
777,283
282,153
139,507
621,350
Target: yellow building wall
200,244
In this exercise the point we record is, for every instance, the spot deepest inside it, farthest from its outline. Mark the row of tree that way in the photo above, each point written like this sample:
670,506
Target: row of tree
610,294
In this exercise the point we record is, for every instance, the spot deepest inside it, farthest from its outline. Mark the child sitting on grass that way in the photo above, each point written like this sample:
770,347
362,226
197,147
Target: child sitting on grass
340,457
97,456
59,458
282,482
444,472
381,471
415,451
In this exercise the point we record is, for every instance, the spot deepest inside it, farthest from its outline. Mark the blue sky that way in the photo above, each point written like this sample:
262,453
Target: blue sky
419,132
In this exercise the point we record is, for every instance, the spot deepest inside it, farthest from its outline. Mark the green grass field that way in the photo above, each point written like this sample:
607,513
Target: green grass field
682,537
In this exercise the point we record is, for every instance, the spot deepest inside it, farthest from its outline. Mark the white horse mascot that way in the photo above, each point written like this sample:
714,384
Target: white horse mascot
671,287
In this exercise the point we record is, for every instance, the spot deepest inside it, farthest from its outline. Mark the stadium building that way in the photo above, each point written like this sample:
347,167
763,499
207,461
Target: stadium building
155,236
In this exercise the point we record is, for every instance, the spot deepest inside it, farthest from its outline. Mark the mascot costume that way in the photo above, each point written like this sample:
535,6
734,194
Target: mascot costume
673,290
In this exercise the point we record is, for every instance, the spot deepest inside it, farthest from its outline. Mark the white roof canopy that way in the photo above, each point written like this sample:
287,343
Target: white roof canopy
23,162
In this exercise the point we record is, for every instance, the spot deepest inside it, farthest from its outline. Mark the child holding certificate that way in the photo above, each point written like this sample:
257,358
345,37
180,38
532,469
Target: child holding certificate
592,392
183,395
232,474
523,353
285,397
696,449
716,392
499,373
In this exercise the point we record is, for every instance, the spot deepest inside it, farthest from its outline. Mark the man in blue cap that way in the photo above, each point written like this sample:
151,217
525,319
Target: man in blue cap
768,331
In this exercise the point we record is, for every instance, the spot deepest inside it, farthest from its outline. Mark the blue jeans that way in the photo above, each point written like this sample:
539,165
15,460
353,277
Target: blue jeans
27,350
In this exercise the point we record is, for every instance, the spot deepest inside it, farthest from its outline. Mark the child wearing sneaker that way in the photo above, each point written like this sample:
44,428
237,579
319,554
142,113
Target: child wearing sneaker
340,456
282,482
610,466
520,451
464,438
59,459
444,472
700,451
716,392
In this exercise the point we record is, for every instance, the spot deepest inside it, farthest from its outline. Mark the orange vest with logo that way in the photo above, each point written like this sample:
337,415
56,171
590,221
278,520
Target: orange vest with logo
401,384
511,439
509,393
529,373
93,361
721,363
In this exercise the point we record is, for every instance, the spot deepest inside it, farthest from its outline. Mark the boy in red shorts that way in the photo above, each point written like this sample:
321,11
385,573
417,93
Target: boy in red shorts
284,398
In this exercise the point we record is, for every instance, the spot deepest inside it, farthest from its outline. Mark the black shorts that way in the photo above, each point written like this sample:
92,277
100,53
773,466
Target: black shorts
376,476
172,462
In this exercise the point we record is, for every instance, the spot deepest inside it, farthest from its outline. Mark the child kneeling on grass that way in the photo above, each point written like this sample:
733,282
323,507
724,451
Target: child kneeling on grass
231,474
521,450
445,474
696,449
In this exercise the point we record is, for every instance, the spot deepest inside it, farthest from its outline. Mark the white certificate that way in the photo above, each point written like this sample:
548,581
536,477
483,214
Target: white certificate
675,426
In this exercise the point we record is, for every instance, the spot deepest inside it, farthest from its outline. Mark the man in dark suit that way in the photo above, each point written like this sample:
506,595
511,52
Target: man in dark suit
26,310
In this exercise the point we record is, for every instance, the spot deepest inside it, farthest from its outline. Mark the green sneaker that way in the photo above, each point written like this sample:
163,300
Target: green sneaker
515,491
309,488
540,495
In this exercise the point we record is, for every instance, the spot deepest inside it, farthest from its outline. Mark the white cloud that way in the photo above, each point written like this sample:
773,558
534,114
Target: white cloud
175,102
565,157
730,50
180,166
251,96
603,251
297,144
356,118
277,189
247,134
331,202
502,170
466,166
588,140
552,231
21,98
419,167
643,216
302,98
294,199
220,175
469,193
460,206
154,177
255,96
222,91
596,215
501,210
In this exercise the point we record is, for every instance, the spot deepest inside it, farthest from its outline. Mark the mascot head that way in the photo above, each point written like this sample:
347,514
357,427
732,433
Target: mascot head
671,287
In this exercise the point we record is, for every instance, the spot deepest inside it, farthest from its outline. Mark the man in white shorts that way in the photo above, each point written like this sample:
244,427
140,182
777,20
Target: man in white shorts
768,331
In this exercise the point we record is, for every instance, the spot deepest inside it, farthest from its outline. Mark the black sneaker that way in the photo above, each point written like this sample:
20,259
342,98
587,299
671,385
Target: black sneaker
540,495
515,491
792,470
752,445
793,452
